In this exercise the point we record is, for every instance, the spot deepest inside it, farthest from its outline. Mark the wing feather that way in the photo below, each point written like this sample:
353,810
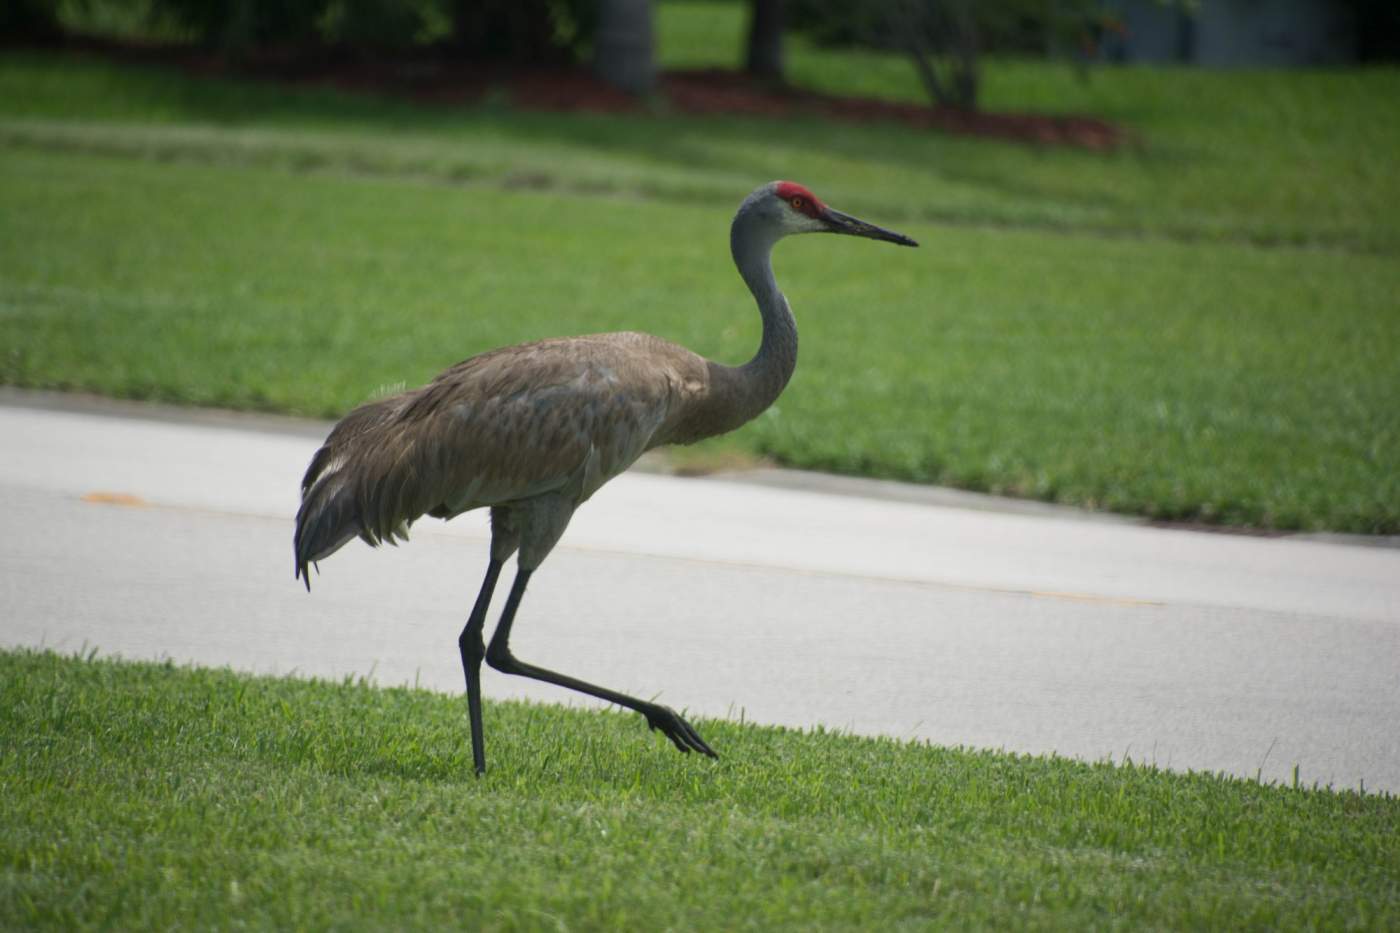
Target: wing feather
564,414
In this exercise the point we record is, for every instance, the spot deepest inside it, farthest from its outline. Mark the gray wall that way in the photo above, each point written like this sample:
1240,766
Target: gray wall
1235,33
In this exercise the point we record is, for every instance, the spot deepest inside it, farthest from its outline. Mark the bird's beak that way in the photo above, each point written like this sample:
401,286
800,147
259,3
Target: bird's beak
837,222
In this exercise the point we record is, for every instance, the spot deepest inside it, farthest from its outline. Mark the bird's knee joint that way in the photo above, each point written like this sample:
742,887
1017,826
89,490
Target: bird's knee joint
473,648
502,660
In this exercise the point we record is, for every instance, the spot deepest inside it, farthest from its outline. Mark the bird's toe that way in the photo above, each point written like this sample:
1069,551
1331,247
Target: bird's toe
680,732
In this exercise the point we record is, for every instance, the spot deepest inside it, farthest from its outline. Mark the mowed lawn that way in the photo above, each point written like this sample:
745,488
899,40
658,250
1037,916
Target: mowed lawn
1200,327
1181,380
150,796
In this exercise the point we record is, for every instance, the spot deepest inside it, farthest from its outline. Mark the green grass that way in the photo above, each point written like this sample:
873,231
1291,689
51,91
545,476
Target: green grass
146,795
1179,380
1261,157
1200,327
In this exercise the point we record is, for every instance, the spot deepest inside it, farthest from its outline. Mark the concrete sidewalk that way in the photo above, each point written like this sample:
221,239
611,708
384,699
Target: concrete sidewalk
152,533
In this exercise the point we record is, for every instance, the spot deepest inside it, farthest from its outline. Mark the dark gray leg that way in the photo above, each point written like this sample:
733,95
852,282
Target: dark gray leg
498,655
473,650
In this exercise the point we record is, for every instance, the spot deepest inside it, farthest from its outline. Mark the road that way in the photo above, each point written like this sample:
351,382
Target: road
865,607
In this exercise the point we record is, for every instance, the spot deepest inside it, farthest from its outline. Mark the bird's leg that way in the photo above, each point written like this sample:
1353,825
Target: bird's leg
498,655
473,650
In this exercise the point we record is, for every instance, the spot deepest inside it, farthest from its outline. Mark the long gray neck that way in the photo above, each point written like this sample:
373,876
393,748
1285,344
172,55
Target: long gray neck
762,379
738,394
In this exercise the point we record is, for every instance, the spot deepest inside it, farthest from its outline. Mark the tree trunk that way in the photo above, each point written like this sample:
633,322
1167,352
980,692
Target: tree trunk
940,38
28,21
623,45
764,58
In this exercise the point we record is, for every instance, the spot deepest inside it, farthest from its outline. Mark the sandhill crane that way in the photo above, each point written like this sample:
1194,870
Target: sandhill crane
531,431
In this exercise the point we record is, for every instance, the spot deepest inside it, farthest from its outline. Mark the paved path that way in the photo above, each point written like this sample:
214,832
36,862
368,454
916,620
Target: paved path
1033,630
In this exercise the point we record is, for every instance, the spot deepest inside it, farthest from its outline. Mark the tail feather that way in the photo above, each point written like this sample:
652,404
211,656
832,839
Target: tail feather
327,519
364,481
390,497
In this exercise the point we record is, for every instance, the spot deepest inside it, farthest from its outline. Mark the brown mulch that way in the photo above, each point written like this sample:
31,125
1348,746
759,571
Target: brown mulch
565,89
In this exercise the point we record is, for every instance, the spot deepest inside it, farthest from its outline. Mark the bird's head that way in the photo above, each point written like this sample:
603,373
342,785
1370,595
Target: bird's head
792,208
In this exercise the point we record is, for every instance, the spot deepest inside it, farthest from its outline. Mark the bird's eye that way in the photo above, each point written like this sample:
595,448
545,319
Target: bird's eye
796,203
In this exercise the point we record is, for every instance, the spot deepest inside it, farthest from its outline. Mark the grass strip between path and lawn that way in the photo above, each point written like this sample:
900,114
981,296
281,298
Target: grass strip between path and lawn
148,795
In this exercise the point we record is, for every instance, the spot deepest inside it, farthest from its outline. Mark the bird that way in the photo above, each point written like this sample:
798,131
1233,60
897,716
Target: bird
531,431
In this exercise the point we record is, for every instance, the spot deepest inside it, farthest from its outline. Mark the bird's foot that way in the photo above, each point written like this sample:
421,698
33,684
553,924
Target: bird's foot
681,733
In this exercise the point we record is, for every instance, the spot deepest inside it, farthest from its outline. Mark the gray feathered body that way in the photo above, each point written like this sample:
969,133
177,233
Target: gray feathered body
557,417
533,430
